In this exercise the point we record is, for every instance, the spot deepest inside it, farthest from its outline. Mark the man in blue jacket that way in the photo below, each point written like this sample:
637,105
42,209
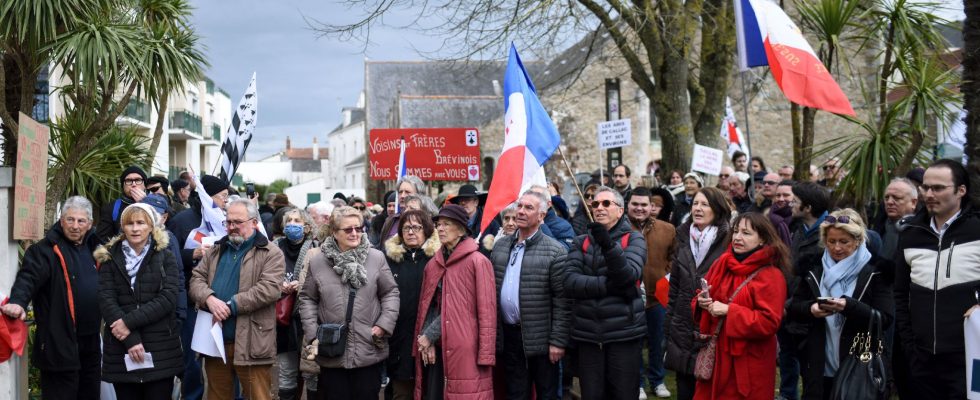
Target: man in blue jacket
554,226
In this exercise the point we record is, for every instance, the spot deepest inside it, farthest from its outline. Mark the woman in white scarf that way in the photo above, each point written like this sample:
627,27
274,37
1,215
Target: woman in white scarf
837,297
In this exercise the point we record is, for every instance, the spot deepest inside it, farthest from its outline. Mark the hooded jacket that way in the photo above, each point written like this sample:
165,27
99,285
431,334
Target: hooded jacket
147,308
44,279
408,267
468,308
936,278
602,283
685,275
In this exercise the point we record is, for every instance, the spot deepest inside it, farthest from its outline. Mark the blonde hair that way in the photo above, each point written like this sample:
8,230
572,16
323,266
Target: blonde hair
130,213
340,213
855,227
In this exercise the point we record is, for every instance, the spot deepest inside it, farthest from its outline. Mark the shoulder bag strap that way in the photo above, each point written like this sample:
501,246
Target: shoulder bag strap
350,305
732,297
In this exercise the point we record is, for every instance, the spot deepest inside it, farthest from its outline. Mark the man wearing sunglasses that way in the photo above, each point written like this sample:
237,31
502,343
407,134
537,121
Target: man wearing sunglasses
936,280
237,281
133,181
610,323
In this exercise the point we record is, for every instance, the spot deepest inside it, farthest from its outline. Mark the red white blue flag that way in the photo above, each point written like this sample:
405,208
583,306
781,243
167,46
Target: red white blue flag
766,36
730,132
401,172
530,138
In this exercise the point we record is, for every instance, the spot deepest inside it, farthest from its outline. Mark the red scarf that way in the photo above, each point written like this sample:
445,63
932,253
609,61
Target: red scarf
727,272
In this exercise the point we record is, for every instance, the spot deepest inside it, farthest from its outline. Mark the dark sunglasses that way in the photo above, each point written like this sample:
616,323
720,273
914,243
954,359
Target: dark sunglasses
843,219
604,203
359,208
358,229
769,183
827,167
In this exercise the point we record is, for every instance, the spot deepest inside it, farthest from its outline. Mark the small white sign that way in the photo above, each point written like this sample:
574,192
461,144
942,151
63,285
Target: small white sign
707,160
472,140
615,134
473,172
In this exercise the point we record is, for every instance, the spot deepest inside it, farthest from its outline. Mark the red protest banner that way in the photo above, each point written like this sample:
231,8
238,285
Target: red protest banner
433,154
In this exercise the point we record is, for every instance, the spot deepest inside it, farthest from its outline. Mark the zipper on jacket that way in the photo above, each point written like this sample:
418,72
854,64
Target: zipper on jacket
949,259
935,292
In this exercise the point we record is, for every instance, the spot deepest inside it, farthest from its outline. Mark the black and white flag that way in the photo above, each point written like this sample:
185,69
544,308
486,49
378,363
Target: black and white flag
239,134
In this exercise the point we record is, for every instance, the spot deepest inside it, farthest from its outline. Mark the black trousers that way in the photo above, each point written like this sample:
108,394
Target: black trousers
157,390
525,372
685,386
610,371
350,384
940,376
82,384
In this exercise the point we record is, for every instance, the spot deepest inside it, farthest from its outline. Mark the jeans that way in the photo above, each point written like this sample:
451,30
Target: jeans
939,376
789,365
288,370
191,383
655,346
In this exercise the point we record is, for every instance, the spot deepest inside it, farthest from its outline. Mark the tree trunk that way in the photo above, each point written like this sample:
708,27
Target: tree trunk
158,130
806,139
801,165
971,94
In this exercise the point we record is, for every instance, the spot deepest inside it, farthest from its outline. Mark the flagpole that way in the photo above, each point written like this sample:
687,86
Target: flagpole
588,212
748,140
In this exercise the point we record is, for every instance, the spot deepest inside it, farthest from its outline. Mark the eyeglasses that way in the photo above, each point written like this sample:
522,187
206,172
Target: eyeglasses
412,228
843,219
153,188
589,196
221,196
133,182
358,229
829,167
604,204
770,183
230,223
933,188
723,176
359,208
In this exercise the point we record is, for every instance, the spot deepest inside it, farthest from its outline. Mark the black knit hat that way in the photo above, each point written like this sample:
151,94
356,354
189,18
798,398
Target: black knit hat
178,184
213,185
132,169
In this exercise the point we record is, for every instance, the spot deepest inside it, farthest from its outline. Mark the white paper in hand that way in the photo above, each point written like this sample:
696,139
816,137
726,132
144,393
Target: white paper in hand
971,333
207,338
132,365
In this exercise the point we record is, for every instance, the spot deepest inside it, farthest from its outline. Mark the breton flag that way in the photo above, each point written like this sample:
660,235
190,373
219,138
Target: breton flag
212,217
766,36
401,171
530,137
730,132
239,134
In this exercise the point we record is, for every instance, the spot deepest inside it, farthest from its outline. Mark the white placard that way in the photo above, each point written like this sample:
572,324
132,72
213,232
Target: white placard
615,134
207,338
971,334
707,160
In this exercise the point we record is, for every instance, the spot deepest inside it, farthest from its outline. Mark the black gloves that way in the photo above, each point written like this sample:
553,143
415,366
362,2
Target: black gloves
600,235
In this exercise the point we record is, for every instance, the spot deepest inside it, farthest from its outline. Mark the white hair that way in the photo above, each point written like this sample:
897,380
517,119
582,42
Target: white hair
77,203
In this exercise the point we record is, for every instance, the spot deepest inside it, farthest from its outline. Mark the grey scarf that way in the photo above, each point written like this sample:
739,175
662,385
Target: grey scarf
348,264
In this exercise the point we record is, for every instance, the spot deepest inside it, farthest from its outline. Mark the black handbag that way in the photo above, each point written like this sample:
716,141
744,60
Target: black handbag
333,337
862,374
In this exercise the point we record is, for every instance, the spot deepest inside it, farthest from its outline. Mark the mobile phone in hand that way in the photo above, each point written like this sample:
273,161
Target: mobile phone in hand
250,190
704,288
824,300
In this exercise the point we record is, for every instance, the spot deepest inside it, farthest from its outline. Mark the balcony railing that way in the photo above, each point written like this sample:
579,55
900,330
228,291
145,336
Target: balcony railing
186,121
215,133
173,173
138,110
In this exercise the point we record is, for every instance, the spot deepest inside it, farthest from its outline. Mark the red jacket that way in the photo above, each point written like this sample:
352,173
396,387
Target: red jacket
745,362
469,321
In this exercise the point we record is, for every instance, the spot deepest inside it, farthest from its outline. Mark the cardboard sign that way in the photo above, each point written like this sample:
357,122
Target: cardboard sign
707,160
432,154
615,134
31,179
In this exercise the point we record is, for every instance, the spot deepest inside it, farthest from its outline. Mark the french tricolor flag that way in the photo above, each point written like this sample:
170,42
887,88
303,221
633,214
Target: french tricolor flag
530,138
766,36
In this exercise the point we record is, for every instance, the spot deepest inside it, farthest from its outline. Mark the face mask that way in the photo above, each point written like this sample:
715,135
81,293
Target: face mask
293,232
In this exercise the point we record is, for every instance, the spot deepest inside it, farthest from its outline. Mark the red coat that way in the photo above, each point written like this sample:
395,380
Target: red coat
745,364
469,321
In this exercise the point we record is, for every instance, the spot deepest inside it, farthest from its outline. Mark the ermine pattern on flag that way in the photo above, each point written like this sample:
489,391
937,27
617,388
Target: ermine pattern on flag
239,134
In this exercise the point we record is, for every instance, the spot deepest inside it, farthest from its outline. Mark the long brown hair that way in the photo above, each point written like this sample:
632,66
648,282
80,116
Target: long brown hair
760,223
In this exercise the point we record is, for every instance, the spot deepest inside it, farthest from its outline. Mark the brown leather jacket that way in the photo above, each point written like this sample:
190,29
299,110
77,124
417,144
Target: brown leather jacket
660,251
258,289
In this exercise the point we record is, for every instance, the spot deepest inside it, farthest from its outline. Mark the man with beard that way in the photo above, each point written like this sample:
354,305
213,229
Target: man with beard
237,281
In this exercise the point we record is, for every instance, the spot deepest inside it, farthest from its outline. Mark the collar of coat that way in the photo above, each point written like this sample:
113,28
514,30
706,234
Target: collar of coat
395,251
160,242
463,249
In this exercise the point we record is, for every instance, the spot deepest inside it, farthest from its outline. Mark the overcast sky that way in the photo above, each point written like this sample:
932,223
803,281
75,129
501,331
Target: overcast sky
303,82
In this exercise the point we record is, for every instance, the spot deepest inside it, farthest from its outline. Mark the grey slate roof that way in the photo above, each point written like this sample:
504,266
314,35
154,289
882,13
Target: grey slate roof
450,111
306,165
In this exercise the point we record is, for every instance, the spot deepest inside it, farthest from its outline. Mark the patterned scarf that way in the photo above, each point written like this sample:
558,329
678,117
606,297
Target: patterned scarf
348,264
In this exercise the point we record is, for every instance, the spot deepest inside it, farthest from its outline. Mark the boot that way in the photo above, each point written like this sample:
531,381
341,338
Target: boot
287,394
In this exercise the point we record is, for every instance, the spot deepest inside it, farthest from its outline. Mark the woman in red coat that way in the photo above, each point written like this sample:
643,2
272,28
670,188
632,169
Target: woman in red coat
745,360
457,319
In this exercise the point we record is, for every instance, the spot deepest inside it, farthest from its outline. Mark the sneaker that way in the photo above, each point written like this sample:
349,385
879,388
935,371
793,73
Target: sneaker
643,394
661,391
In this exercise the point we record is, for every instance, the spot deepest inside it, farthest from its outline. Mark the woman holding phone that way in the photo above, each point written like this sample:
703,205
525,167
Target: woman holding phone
837,296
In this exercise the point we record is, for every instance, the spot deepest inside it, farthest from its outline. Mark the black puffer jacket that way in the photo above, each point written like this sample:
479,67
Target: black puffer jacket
147,308
685,277
408,266
602,315
546,316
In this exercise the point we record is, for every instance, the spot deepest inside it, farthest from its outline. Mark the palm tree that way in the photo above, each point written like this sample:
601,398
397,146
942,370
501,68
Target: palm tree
971,93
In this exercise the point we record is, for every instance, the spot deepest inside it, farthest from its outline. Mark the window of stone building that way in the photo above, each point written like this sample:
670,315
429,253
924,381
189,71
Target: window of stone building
654,126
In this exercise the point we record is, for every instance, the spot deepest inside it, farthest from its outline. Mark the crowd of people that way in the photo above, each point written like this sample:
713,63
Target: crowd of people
749,288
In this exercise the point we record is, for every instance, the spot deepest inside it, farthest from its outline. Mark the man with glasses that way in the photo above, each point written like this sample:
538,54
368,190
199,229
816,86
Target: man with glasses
157,184
133,180
535,315
67,344
609,324
936,281
768,192
723,176
831,173
237,281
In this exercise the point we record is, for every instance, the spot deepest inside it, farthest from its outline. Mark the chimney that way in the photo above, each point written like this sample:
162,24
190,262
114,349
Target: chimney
288,143
316,149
